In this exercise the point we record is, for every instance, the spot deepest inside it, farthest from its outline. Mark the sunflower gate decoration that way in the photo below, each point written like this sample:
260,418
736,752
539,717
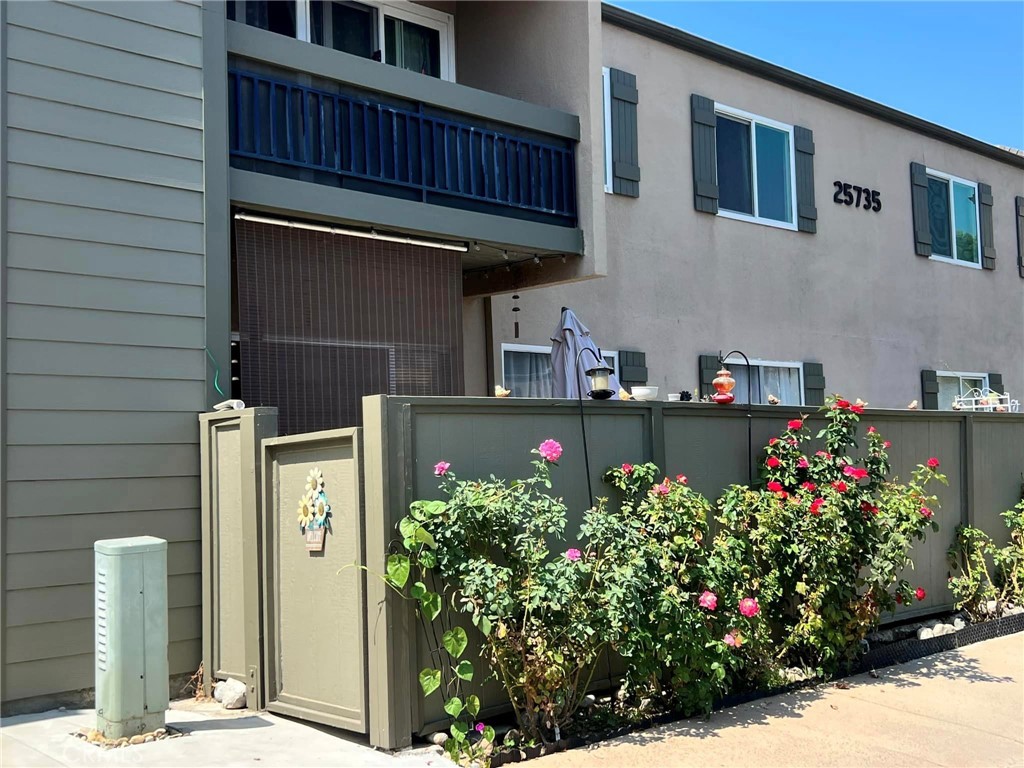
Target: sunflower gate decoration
314,512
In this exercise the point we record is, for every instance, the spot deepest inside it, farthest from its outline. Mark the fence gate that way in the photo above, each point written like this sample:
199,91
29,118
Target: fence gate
314,590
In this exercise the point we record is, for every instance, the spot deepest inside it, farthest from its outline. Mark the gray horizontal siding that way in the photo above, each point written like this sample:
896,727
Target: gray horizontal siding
57,533
118,361
56,289
103,259
73,673
29,182
100,127
33,570
74,638
79,23
40,498
105,319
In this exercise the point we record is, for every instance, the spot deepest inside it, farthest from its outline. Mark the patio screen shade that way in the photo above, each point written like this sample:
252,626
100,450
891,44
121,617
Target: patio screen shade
325,319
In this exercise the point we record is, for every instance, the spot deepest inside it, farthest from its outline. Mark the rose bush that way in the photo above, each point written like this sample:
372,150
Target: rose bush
823,545
985,572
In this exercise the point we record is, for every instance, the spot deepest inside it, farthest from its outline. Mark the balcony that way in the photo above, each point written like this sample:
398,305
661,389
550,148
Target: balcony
416,152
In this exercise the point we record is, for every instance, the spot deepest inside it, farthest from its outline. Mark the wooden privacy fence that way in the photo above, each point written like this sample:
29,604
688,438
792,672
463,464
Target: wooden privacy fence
367,635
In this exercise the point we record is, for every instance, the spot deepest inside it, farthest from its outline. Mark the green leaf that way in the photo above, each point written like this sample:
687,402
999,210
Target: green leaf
428,558
465,670
459,731
484,624
418,590
431,605
423,535
433,508
801,588
398,570
454,706
408,527
488,734
430,680
455,641
473,705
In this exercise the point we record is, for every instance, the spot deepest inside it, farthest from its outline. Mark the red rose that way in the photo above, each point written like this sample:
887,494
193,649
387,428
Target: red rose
919,593
808,486
899,599
842,404
840,486
796,423
772,462
627,468
773,441
856,408
871,430
887,444
774,486
855,472
933,463
816,506
681,479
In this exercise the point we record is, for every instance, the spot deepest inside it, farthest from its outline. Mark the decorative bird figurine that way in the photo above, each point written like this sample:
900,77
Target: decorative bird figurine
773,400
912,406
861,403
624,395
500,391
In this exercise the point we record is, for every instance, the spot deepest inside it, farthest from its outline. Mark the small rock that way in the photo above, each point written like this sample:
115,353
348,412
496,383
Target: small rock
943,629
924,633
794,675
149,737
588,701
232,694
122,742
958,623
160,732
882,636
62,709
992,607
438,738
137,739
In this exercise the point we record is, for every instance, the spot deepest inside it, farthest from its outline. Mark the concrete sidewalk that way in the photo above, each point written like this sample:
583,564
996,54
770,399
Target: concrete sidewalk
959,708
215,737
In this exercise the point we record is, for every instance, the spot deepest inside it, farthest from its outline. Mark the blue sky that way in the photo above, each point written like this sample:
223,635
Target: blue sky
958,64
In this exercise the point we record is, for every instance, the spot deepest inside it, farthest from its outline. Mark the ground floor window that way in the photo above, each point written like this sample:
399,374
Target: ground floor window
953,384
526,369
768,378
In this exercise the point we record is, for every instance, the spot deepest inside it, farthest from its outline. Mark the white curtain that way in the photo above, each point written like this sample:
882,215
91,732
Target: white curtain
528,374
782,382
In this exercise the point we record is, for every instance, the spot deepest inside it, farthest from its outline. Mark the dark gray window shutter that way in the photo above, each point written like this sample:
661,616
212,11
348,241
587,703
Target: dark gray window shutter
919,206
995,383
929,390
708,368
632,368
988,250
1020,235
705,159
806,213
625,146
814,383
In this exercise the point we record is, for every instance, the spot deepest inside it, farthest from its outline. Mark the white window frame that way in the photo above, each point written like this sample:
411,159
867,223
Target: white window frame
751,119
443,22
961,375
737,360
606,87
949,179
541,349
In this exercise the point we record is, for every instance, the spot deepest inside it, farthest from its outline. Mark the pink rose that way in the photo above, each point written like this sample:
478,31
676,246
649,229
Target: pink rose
855,472
933,463
663,488
887,444
802,463
441,467
708,600
627,468
730,640
927,513
871,430
550,450
749,606
573,555
479,727
681,479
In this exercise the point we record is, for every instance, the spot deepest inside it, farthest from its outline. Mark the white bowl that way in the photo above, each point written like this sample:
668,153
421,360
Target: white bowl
673,397
644,393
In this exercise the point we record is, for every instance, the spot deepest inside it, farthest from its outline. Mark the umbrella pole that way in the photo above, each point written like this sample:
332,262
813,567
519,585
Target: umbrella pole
750,415
583,424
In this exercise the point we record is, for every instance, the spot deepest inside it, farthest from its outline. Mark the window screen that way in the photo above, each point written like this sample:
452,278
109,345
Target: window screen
326,319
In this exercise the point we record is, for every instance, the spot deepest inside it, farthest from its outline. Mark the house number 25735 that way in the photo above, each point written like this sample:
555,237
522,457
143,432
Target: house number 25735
859,197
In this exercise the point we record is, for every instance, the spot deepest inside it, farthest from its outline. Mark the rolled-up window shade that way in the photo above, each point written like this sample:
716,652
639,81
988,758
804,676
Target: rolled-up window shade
326,319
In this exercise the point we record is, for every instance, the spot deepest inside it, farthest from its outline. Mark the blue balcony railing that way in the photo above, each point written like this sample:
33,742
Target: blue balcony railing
445,160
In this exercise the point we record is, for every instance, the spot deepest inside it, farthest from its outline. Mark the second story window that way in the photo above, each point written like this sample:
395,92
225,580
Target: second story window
755,171
953,218
402,34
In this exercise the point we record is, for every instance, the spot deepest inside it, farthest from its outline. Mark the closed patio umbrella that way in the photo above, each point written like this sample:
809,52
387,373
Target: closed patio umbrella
568,378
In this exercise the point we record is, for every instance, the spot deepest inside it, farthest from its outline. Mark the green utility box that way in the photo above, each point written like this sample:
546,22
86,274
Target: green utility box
132,689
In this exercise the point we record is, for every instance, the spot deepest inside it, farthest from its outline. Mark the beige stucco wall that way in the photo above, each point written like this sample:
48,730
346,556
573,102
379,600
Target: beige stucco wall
547,53
854,296
474,347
